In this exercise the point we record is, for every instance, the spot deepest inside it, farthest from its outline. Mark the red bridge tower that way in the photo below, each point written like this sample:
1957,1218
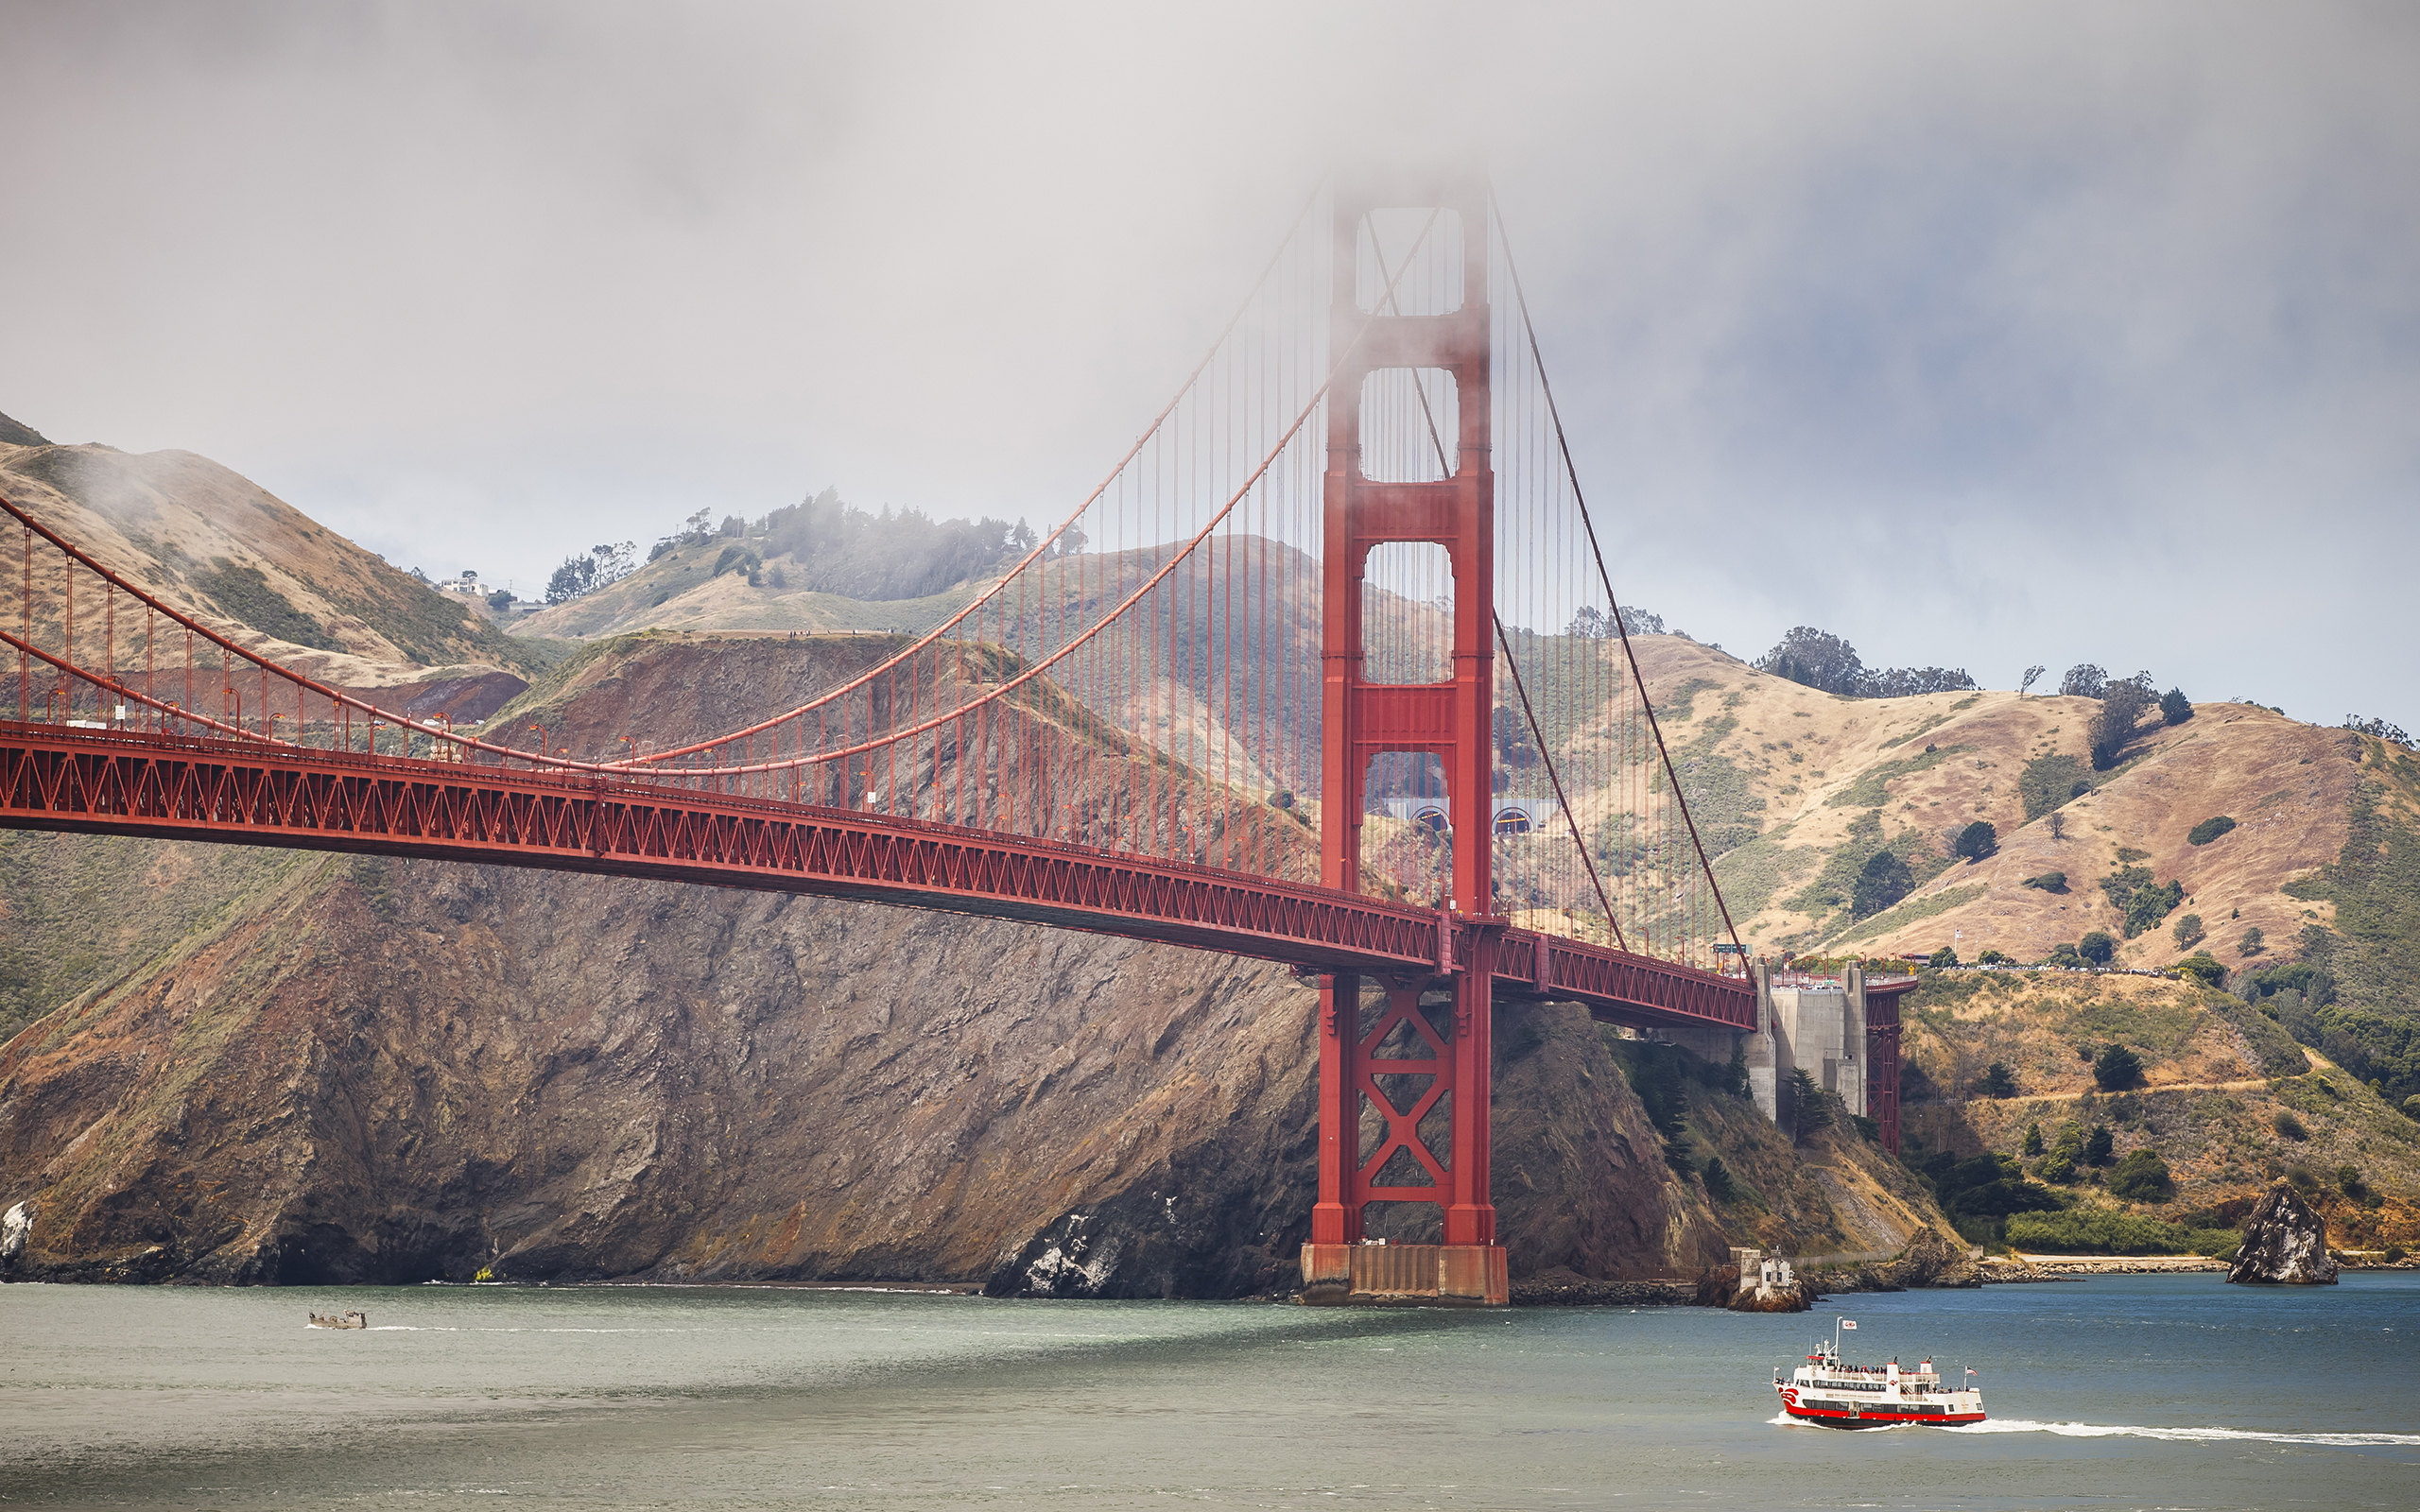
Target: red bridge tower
1432,1068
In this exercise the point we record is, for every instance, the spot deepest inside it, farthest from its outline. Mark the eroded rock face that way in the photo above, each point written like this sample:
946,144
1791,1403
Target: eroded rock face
2285,1243
1930,1259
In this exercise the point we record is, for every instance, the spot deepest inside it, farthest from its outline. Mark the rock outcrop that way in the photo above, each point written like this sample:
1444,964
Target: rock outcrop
1931,1260
2285,1243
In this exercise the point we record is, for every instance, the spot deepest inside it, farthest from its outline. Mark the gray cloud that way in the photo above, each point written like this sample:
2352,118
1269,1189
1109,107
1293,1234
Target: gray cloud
1981,336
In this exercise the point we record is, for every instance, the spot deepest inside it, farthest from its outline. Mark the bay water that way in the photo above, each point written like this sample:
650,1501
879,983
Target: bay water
2135,1392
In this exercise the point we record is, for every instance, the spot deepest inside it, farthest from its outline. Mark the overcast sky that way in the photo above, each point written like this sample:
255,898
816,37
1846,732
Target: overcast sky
1984,336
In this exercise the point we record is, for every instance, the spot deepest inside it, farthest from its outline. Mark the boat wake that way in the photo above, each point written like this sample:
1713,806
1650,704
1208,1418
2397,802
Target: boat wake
2183,1436
2188,1435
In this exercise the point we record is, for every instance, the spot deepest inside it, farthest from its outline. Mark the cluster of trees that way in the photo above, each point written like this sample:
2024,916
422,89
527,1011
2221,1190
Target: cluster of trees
842,549
836,547
593,569
2145,903
1816,658
2124,702
2095,949
2379,728
1593,623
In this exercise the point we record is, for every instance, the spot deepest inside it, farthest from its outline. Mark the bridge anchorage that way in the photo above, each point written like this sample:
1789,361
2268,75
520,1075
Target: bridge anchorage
1328,672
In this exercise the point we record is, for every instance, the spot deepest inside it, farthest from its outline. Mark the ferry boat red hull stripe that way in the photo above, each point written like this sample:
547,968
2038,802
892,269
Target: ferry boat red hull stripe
1876,1415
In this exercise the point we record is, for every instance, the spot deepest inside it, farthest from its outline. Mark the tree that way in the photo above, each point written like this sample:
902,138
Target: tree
1946,955
2100,1146
2097,947
1718,1184
2116,1068
2064,954
1735,1075
2033,675
1815,659
1883,881
1995,958
1976,841
2173,706
2033,1138
1811,1110
2188,932
2142,1177
2204,968
2058,826
2060,1164
2085,682
2121,711
2253,943
500,600
1998,1081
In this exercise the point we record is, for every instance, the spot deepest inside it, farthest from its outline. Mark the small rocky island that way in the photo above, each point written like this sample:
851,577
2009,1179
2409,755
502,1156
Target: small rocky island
2285,1243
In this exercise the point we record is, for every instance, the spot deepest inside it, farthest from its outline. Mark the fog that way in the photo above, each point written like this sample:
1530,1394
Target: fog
1984,336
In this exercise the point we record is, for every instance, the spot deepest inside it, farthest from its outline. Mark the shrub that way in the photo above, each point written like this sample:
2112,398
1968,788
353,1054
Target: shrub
2302,1180
2253,943
1995,958
2115,1069
2096,947
2289,1127
2204,968
2411,1108
2208,829
2048,882
2033,1138
1944,956
2188,932
2348,1181
2048,781
1998,1081
2064,954
2142,1177
2394,1254
2099,1233
1976,841
2174,707
2101,1146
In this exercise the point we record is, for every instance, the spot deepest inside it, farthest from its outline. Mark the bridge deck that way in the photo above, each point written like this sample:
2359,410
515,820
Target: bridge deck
114,782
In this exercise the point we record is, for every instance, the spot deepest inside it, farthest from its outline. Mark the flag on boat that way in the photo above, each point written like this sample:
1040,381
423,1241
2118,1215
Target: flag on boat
1846,1324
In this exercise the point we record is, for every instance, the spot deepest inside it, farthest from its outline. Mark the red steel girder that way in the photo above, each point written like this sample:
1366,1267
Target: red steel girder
250,793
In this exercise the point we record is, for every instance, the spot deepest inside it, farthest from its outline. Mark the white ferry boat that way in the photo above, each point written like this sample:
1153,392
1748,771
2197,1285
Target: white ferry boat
1827,1392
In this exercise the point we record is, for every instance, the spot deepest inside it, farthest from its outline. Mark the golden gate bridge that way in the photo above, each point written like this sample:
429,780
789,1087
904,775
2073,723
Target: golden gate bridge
1328,671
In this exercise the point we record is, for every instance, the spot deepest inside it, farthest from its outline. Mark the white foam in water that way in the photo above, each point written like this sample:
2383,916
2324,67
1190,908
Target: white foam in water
2183,1436
2195,1435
